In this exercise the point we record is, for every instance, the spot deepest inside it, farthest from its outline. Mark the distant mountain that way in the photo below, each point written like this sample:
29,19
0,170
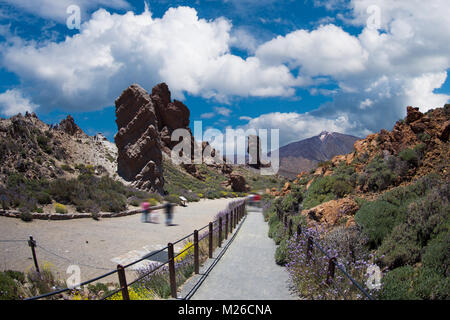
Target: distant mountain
304,155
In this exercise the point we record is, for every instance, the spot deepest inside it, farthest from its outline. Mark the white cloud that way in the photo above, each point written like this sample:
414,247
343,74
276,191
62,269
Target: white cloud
377,73
89,70
13,101
223,111
294,126
207,115
328,50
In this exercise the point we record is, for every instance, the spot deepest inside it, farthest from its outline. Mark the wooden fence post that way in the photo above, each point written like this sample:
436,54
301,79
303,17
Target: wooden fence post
196,253
123,282
32,244
309,249
227,220
210,236
220,231
331,269
173,281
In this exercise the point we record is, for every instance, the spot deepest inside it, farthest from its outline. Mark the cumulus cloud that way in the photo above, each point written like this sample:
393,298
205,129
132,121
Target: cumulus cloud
328,51
89,70
13,101
376,73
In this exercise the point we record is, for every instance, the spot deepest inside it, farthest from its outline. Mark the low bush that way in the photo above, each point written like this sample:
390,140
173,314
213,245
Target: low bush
327,188
60,208
8,287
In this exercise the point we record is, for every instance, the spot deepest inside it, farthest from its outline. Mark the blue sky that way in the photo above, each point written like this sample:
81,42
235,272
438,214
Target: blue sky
299,66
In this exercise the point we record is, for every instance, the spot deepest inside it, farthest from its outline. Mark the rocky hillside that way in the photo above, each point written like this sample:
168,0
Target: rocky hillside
386,203
41,151
304,155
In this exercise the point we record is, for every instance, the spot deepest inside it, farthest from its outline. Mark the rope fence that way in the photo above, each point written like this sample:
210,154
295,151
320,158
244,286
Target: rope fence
201,252
333,263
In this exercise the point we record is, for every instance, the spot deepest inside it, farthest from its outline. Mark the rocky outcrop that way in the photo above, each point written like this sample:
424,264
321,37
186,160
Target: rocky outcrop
69,126
238,183
332,213
138,140
171,115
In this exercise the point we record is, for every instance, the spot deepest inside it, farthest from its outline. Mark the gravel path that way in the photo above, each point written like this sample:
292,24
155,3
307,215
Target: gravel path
247,270
97,246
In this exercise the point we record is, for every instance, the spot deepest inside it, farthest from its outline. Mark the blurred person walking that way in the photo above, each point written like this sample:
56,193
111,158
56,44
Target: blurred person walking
145,212
168,208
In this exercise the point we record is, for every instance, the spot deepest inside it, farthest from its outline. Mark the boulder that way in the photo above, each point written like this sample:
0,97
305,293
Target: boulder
331,213
238,183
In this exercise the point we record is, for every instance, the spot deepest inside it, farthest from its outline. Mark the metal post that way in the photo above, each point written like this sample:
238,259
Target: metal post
210,236
123,282
285,220
331,268
299,230
173,282
196,253
220,231
32,244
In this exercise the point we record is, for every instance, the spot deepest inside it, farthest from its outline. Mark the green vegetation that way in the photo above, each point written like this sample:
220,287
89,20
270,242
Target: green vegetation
409,228
327,188
88,193
277,231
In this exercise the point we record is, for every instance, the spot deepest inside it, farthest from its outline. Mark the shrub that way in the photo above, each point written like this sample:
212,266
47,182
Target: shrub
397,284
377,219
60,208
8,288
377,175
437,254
173,198
26,216
410,156
43,197
281,253
326,188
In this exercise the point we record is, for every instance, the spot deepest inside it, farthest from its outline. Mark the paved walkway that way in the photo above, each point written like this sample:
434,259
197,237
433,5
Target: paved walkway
247,270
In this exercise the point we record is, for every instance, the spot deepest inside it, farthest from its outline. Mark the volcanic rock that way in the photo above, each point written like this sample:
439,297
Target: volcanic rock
138,141
330,213
69,126
238,183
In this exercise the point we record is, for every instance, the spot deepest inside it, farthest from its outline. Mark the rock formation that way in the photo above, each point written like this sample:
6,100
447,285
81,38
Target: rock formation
146,123
238,183
331,213
138,141
69,126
